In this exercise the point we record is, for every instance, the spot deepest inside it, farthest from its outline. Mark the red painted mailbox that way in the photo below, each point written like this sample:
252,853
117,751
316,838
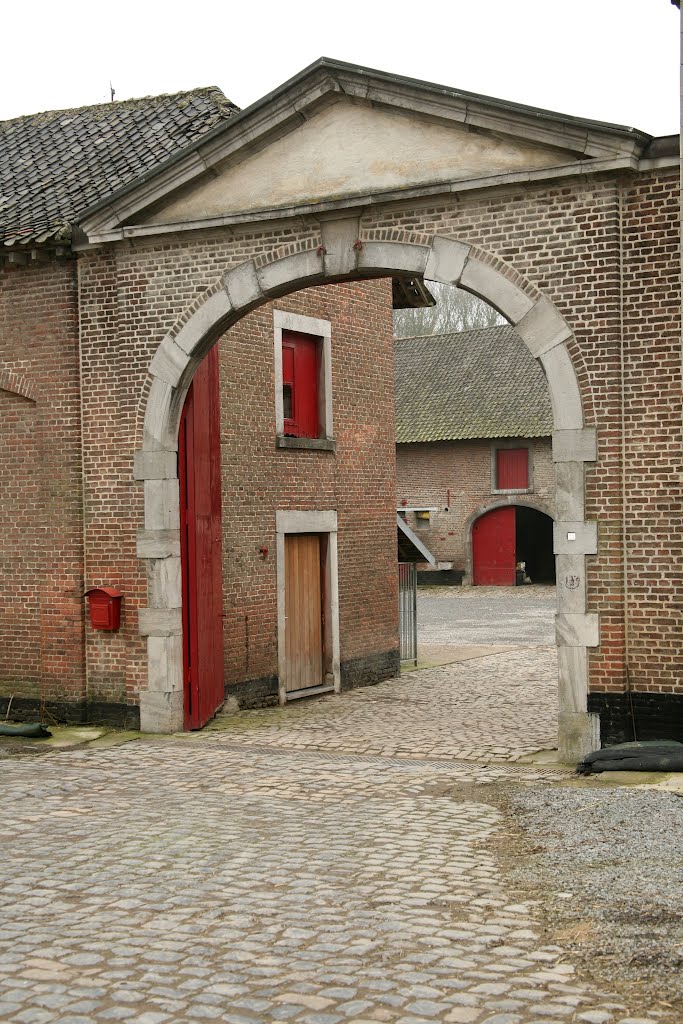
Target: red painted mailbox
105,607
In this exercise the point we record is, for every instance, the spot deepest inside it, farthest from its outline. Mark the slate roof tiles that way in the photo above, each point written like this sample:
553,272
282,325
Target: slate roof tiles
471,384
55,165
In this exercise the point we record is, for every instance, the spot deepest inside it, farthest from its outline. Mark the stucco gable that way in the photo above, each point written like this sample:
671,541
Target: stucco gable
347,149
336,133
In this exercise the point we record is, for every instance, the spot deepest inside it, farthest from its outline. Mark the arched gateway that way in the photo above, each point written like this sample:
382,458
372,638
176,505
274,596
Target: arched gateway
343,256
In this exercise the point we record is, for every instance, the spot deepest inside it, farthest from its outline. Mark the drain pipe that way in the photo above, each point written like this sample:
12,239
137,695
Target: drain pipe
84,534
624,495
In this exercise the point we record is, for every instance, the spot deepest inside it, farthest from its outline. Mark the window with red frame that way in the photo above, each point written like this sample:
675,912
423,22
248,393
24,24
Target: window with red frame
512,469
300,384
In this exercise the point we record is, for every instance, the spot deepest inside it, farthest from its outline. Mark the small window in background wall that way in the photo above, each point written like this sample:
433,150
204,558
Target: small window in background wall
511,469
303,381
300,376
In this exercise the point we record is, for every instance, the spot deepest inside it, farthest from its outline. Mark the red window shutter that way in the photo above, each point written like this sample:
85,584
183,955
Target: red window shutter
300,371
512,469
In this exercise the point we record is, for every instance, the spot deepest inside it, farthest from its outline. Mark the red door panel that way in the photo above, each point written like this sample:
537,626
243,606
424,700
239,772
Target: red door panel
199,470
493,548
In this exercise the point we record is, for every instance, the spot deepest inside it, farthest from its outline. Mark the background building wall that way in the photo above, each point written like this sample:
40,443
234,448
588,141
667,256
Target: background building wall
457,475
358,480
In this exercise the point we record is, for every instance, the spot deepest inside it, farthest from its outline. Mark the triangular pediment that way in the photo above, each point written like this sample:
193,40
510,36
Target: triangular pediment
337,133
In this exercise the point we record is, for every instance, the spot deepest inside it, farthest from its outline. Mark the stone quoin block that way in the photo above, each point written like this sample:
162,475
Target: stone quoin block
579,538
572,668
158,543
156,465
164,582
161,505
338,238
491,286
542,328
399,256
169,363
575,445
294,271
575,630
161,712
242,286
213,313
565,396
158,416
570,491
446,261
160,622
579,735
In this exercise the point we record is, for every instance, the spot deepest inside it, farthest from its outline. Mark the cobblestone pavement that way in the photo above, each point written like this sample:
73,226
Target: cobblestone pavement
182,880
496,708
486,615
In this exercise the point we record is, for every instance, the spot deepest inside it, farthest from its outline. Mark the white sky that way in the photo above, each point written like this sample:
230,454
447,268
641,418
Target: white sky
614,60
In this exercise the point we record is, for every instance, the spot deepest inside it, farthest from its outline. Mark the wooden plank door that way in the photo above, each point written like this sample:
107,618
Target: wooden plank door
199,471
494,549
304,632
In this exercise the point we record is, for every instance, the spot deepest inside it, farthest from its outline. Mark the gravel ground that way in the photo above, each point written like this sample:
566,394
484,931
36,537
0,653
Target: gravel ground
608,866
522,616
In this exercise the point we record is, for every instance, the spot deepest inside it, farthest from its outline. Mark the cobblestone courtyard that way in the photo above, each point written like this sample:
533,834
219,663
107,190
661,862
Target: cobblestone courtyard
332,861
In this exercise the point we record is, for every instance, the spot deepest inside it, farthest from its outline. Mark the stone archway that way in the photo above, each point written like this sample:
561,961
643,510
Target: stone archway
342,256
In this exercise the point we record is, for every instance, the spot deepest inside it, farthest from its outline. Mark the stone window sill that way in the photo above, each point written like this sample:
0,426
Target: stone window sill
514,490
318,444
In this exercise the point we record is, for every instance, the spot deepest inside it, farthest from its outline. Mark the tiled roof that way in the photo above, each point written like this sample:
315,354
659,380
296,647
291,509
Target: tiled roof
471,384
55,165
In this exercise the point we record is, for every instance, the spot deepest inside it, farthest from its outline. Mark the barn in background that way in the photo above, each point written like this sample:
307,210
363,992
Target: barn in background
475,475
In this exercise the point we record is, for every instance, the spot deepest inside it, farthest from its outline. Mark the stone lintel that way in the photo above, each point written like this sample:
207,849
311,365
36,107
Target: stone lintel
158,465
578,445
577,630
575,538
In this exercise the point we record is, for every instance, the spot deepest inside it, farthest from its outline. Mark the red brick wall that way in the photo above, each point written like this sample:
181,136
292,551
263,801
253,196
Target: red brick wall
426,473
357,480
564,240
41,572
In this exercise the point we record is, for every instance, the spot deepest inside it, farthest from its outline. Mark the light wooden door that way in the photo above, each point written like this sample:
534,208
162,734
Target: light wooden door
304,632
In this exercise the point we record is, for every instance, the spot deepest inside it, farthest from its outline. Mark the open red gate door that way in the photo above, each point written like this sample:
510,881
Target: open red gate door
199,471
494,548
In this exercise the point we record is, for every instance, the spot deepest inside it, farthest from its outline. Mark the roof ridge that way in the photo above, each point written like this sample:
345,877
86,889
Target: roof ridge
131,102
450,334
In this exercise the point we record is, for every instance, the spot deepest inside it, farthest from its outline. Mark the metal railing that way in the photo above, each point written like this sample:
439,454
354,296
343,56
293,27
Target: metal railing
407,612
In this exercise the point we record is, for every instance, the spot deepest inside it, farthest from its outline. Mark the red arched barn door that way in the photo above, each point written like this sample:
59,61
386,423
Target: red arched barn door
494,548
199,472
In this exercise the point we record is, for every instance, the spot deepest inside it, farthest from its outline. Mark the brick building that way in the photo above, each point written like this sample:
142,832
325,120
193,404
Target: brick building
473,429
117,284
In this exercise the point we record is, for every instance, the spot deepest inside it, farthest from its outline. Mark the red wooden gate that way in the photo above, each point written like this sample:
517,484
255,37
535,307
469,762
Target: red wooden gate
494,548
199,471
